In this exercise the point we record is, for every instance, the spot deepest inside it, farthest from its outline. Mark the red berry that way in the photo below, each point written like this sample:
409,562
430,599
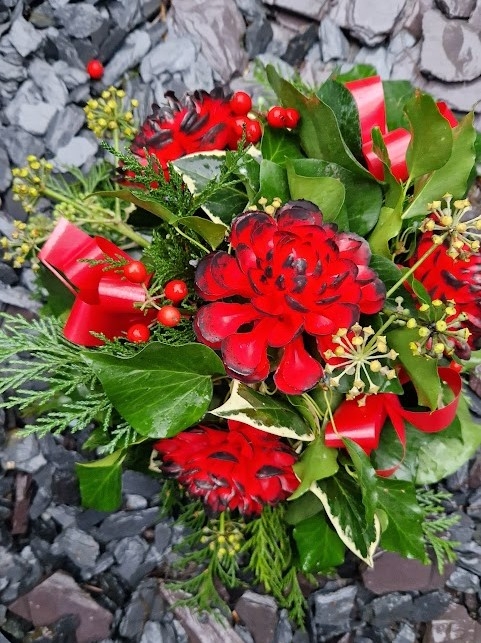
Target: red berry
176,290
136,272
95,69
169,316
240,124
138,334
253,131
292,117
241,103
276,116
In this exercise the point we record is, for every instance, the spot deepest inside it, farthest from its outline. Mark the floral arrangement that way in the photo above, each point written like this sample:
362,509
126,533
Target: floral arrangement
272,310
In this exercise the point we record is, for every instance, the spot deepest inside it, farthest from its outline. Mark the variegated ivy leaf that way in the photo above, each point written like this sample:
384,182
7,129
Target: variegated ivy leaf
342,500
263,412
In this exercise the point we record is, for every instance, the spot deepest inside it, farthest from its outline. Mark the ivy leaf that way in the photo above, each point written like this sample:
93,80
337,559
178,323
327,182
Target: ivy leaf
320,548
342,500
280,145
301,508
318,129
342,103
325,192
452,177
101,481
162,389
273,182
366,477
147,204
404,532
263,412
423,371
432,140
316,462
363,197
213,233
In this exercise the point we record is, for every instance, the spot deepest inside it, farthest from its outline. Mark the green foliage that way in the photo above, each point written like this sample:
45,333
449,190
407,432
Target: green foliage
169,257
84,184
396,94
316,462
273,182
101,481
436,525
279,145
319,547
342,103
326,192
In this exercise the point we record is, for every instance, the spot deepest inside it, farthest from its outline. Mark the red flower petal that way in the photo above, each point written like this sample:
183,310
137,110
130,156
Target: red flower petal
244,353
297,371
214,322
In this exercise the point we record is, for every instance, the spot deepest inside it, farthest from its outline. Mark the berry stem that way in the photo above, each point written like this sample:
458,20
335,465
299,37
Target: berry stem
413,268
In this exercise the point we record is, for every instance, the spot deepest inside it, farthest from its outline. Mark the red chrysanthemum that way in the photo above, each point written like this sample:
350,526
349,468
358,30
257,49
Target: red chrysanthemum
291,276
451,279
240,468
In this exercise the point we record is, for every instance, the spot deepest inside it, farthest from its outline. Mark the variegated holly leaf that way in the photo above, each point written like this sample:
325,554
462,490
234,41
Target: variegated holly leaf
263,412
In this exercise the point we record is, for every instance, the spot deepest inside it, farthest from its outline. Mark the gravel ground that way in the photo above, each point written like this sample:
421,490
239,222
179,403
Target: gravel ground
94,576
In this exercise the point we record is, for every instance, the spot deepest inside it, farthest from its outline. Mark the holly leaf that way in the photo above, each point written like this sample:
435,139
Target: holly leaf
452,177
325,192
280,145
432,140
101,481
316,462
162,389
213,233
318,128
422,370
404,532
319,546
263,412
362,199
342,500
273,182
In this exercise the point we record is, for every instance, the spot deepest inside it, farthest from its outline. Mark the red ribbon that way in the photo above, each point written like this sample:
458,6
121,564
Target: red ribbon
363,424
368,95
104,300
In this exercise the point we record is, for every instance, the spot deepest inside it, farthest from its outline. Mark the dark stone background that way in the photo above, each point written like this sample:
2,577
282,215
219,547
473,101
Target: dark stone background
93,576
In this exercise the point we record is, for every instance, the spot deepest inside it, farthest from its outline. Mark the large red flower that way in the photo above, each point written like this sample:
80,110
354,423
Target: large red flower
240,468
292,276
451,279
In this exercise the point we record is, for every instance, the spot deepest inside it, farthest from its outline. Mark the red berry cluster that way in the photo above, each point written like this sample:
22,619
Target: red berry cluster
241,104
279,117
175,291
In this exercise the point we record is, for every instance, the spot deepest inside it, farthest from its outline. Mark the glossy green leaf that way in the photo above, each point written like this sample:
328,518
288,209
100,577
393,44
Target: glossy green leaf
325,192
396,95
301,508
213,233
318,129
162,389
342,501
432,140
404,532
273,182
263,412
320,548
357,72
316,462
390,274
342,103
422,370
452,177
148,204
363,197
367,478
101,481
280,145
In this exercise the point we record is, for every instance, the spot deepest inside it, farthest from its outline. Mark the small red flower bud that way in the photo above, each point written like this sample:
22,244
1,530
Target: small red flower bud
169,316
241,103
138,334
176,290
276,116
136,272
95,69
292,117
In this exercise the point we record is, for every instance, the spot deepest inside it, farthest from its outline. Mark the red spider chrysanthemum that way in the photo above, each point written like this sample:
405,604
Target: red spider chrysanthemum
240,468
452,279
292,276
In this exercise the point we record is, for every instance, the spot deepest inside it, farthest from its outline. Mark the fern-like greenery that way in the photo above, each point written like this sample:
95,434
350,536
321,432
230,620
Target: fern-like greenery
436,525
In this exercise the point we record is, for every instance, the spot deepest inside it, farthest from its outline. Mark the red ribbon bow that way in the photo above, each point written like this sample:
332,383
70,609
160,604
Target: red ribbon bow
363,424
104,300
368,95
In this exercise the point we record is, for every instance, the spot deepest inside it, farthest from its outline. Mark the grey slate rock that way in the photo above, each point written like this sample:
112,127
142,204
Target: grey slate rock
163,537
283,632
259,613
36,118
126,523
5,181
78,151
299,45
219,28
63,127
111,43
71,76
406,634
331,612
429,606
10,71
172,55
140,483
24,37
198,75
252,10
126,14
42,16
133,50
52,88
137,612
314,9
27,94
258,36
79,547
8,276
152,633
451,49
371,21
60,47
334,44
19,144
80,20
463,581
388,609
456,8
24,452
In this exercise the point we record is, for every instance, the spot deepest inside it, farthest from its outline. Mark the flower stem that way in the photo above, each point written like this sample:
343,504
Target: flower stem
116,142
193,241
413,268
